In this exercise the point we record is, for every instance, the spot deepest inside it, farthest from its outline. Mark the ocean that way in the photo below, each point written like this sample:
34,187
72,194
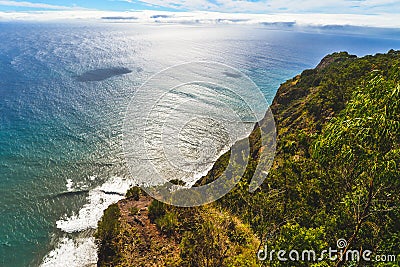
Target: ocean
64,89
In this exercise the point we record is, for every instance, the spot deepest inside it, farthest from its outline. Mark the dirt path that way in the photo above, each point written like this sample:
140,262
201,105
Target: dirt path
144,244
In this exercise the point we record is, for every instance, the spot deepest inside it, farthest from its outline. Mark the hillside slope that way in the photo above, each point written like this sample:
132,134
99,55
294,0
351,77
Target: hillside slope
335,176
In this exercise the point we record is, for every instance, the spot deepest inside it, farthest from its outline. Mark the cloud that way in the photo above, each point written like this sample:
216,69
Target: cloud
279,20
338,6
275,6
34,5
246,6
208,5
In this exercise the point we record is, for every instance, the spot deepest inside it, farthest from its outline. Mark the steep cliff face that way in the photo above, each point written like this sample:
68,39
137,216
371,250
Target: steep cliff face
143,232
307,201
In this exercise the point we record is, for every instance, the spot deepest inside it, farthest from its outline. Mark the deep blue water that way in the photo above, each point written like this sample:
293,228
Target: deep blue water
59,132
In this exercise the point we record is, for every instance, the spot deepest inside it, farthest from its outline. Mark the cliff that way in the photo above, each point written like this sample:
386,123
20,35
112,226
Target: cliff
335,176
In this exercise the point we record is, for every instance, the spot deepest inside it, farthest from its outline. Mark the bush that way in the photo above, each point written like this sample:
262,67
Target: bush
108,229
218,240
157,209
168,223
134,193
133,211
108,226
295,237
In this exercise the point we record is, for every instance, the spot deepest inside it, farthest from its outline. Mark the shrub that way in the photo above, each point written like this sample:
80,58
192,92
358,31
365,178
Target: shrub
157,209
133,211
134,193
168,223
108,229
218,240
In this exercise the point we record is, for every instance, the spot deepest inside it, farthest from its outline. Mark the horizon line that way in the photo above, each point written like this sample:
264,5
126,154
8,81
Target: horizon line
384,20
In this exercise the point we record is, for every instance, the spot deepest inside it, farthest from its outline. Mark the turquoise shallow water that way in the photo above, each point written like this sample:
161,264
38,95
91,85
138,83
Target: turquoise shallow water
60,136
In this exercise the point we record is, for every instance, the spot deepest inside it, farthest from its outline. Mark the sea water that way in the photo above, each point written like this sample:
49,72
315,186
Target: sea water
64,88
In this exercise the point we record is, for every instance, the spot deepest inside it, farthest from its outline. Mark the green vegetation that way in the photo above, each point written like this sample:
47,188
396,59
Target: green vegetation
168,223
337,164
107,230
362,147
134,211
157,209
335,175
295,237
218,240
134,193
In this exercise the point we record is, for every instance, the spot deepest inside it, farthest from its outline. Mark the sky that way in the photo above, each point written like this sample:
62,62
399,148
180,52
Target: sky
365,13
365,7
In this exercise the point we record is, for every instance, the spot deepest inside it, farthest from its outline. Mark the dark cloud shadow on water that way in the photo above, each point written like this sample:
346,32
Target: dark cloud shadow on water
101,74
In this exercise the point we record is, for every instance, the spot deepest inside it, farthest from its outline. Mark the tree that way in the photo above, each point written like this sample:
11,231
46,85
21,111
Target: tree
363,146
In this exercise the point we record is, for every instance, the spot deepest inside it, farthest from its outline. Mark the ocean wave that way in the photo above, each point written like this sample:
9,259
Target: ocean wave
82,251
70,185
98,200
72,253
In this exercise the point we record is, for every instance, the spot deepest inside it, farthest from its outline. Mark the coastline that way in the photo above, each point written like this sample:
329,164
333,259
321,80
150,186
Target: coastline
292,99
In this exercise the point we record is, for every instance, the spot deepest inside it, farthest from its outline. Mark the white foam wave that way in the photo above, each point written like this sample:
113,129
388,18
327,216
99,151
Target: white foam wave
70,185
80,252
77,186
98,200
72,253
